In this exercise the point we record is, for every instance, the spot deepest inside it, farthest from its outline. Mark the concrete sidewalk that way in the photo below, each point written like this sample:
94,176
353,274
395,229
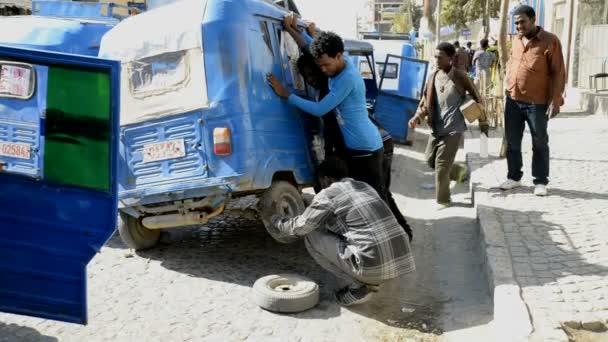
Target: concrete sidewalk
547,258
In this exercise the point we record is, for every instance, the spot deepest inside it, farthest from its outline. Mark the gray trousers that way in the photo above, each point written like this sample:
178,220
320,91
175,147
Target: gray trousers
440,154
324,247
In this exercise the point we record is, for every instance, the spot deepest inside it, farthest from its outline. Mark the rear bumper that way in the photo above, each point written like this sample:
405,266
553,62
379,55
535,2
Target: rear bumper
175,191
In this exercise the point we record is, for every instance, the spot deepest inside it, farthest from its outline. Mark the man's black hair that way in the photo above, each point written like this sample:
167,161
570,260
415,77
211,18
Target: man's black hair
457,44
333,167
307,61
448,48
525,10
327,43
484,43
469,44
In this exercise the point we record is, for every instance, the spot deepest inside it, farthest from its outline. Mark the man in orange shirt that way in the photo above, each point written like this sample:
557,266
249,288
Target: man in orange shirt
535,82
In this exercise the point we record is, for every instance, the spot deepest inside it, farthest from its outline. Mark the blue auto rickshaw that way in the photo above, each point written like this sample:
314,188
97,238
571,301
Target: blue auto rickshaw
199,124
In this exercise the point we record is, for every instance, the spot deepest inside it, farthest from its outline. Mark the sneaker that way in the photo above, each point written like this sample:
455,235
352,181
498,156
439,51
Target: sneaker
540,190
510,184
354,295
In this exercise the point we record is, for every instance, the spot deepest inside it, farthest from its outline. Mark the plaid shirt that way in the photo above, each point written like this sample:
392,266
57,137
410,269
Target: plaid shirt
370,236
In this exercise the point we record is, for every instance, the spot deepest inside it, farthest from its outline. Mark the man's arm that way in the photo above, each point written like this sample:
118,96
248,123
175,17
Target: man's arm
507,71
301,37
327,104
421,111
297,36
312,218
558,75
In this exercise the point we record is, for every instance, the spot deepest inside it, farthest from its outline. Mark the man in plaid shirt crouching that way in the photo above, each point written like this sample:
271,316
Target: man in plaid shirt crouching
350,231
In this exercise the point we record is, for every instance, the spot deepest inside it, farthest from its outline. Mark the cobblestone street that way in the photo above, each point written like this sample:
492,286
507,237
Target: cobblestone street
196,285
555,248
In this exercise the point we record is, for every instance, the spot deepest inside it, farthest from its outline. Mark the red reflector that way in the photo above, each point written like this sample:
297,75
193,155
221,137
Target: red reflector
221,141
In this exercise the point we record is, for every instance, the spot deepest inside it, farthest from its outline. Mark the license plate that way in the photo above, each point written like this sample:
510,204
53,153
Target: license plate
15,81
20,151
170,149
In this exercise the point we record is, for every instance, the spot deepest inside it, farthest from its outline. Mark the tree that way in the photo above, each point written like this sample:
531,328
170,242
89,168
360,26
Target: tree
402,22
428,13
408,18
503,54
460,12
502,33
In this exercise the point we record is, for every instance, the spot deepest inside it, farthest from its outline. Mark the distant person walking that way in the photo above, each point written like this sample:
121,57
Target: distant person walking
470,53
483,60
461,59
536,79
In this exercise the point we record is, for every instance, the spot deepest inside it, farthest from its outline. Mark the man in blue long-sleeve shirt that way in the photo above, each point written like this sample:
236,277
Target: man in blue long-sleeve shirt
347,98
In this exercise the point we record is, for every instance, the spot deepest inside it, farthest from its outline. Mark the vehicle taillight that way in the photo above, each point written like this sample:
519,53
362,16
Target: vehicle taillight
221,141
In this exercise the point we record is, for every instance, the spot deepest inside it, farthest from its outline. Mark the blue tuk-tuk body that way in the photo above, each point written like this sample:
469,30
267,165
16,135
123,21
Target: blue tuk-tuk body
199,123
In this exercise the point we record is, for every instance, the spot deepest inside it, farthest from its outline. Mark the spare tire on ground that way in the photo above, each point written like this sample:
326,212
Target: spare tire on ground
286,293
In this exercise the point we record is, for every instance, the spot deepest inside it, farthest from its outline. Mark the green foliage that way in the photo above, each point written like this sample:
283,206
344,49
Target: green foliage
408,17
459,12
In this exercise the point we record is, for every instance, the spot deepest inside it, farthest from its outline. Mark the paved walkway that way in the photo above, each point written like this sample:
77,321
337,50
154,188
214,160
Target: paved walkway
547,258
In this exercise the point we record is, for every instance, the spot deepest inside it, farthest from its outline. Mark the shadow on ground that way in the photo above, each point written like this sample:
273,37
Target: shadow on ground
538,237
22,333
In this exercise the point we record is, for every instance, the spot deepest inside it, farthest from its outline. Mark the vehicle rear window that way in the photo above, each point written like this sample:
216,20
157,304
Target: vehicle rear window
158,74
17,80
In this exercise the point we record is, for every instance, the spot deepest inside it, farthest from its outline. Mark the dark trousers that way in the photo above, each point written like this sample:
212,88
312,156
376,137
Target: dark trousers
386,170
440,154
367,167
516,115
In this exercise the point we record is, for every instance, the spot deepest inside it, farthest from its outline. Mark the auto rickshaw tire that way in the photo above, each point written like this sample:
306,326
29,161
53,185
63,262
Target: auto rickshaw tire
135,235
284,199
286,293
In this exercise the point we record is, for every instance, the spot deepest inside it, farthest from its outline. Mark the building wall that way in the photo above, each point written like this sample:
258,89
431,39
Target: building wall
589,29
590,50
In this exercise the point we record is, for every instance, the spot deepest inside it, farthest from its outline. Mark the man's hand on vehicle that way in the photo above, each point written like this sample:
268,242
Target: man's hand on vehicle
277,86
290,21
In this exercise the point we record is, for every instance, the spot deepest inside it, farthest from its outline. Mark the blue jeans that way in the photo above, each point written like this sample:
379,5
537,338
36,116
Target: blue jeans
516,115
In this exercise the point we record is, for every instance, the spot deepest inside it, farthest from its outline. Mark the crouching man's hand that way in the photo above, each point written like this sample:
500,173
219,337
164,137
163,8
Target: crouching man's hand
270,218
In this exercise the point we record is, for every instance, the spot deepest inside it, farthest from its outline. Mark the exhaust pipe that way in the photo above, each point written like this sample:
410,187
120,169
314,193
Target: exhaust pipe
178,220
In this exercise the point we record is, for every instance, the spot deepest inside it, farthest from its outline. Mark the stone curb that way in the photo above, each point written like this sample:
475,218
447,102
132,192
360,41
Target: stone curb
512,320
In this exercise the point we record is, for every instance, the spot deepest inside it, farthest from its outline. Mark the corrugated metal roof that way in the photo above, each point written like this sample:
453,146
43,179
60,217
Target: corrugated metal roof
16,3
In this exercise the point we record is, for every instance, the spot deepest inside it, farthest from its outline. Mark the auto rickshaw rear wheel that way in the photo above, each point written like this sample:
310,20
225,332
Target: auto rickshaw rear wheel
134,234
284,199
